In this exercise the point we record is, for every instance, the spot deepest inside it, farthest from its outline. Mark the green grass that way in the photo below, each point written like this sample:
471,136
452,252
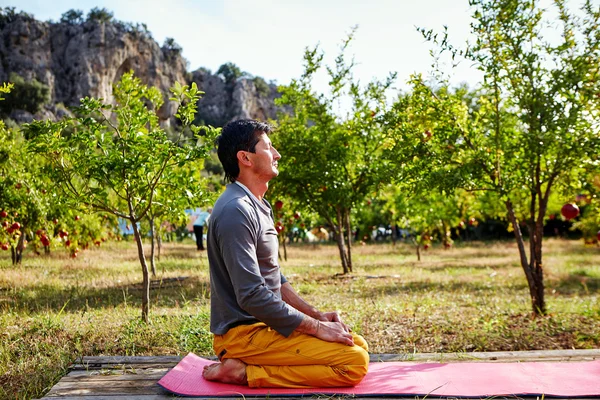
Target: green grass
470,298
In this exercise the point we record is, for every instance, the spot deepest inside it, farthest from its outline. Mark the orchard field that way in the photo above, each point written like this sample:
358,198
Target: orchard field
515,157
472,297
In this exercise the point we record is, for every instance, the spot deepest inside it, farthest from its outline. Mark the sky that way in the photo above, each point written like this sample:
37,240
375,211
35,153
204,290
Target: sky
267,38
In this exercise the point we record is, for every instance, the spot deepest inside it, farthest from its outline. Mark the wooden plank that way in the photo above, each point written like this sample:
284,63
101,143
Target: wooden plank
128,359
127,366
107,389
153,361
138,381
504,356
96,372
82,379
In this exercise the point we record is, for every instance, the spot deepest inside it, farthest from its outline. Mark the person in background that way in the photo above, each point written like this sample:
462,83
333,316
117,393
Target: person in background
199,224
266,335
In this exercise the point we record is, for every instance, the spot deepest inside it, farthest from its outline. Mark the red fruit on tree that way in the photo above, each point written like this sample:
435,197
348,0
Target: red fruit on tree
426,246
278,204
10,231
77,218
472,220
3,214
55,220
297,215
16,226
39,232
4,246
552,216
569,211
18,185
5,224
68,243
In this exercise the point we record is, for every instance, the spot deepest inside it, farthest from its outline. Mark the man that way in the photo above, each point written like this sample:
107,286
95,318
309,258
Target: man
199,222
266,335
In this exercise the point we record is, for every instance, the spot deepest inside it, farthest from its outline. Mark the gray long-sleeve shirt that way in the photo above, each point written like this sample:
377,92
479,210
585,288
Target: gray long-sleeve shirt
245,278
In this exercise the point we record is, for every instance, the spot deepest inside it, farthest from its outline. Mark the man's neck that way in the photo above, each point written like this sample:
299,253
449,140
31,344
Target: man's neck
258,189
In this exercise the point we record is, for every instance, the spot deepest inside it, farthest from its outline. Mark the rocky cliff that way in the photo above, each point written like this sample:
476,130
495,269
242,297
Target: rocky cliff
74,60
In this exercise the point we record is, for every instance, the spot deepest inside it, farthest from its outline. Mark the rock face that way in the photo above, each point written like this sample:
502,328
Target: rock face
87,59
239,99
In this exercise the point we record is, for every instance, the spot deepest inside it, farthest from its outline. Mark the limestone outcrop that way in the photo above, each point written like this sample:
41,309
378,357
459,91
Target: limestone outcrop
75,60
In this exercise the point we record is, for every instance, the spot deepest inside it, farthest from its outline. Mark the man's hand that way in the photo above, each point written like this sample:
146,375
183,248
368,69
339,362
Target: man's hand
334,332
330,331
333,316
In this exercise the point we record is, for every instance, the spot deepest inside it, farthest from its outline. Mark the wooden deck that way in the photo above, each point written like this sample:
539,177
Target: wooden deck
112,378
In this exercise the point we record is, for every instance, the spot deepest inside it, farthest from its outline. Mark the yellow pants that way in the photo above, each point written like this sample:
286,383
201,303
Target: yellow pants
297,361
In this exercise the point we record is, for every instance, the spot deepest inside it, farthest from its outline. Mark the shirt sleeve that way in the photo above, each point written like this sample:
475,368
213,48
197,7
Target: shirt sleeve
238,234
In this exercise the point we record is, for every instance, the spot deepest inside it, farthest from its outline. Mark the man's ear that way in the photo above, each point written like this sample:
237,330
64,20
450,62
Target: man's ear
243,158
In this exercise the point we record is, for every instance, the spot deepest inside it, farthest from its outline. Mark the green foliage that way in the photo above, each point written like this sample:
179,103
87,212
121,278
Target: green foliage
171,45
230,72
30,95
262,87
117,159
531,126
331,164
72,17
8,15
101,15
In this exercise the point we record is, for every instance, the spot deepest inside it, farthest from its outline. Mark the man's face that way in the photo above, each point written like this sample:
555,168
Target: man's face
265,158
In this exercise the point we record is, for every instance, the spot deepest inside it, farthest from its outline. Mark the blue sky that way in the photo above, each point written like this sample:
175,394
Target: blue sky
267,37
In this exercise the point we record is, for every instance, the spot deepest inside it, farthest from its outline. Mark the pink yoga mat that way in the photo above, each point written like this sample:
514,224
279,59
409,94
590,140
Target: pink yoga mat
464,379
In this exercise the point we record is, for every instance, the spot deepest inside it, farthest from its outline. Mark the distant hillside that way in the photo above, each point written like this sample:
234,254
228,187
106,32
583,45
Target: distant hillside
54,64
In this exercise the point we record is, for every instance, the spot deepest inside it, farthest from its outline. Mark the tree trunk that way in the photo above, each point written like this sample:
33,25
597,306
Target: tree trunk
20,247
159,244
533,268
284,249
152,236
349,234
340,242
394,230
146,278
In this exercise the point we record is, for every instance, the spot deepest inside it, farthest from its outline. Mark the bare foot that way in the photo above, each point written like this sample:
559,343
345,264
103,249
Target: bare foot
230,370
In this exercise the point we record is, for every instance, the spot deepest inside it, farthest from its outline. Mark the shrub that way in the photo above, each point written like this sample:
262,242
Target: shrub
230,72
72,17
28,95
99,15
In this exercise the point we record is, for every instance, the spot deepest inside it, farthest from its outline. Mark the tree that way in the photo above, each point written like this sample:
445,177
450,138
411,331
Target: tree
100,15
25,194
114,158
430,216
183,188
28,95
230,72
331,163
533,124
72,17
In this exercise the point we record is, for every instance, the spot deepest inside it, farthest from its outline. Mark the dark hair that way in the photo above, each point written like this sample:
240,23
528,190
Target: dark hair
240,135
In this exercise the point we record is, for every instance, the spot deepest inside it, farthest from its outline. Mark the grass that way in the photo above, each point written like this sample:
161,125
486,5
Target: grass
470,298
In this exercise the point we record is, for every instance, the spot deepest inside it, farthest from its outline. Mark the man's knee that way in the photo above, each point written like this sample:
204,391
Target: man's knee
358,368
360,341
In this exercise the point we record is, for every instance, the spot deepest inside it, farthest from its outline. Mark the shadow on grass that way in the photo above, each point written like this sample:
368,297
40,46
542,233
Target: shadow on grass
577,283
48,298
433,287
